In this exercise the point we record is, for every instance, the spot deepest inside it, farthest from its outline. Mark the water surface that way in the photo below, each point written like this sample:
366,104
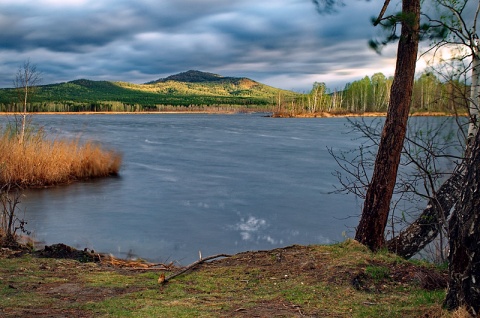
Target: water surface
189,183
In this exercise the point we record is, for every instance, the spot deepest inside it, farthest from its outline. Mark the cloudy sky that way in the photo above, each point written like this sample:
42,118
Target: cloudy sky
283,43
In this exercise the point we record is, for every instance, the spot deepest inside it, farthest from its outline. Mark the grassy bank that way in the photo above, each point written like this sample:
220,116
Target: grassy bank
40,161
342,280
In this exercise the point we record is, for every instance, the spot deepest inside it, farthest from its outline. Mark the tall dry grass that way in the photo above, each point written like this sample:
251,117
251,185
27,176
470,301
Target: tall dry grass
40,162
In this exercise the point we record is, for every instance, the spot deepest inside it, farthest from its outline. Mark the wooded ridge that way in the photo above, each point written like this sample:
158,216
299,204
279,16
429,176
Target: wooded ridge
183,89
199,91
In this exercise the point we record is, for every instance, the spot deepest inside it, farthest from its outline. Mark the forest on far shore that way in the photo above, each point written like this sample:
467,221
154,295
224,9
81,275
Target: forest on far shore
372,94
369,94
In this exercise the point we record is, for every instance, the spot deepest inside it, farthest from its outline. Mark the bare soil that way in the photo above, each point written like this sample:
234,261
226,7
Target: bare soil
63,282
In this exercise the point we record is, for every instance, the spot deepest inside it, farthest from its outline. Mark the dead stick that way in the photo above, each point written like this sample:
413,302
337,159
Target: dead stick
189,267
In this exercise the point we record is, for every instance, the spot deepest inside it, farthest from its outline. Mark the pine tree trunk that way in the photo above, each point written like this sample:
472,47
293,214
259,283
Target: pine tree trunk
370,230
464,241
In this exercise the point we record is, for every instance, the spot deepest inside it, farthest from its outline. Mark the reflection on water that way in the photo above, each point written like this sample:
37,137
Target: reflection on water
251,230
215,183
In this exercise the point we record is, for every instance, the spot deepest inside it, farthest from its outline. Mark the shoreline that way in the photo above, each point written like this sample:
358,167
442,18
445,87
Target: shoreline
314,115
368,114
117,113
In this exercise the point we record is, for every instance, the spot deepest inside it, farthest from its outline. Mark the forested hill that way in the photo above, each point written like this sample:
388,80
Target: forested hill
201,91
203,83
197,77
183,89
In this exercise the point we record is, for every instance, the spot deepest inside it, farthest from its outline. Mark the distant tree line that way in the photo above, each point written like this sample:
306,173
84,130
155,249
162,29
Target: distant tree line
115,106
372,94
369,94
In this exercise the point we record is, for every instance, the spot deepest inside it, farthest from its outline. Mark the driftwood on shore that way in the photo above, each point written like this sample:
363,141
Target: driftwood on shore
163,280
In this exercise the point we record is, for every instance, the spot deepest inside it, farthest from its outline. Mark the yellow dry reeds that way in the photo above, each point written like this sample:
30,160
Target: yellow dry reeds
39,162
461,312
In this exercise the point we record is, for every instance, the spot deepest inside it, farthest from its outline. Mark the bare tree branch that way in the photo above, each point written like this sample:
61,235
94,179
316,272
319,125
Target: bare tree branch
382,12
191,266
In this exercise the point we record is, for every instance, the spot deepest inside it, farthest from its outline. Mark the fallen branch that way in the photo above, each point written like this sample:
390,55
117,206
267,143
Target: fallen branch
163,280
111,260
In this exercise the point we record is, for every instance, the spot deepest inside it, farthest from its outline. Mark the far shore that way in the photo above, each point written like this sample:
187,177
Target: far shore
118,113
367,114
305,115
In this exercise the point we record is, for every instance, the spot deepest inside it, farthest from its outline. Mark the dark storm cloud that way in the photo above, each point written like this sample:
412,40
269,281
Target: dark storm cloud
286,42
70,31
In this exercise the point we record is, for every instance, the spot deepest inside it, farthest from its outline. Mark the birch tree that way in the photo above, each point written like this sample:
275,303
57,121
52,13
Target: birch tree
26,79
474,90
464,243
464,225
379,91
463,36
316,98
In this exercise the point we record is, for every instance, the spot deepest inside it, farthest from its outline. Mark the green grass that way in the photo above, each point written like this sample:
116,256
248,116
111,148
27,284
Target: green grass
377,273
247,284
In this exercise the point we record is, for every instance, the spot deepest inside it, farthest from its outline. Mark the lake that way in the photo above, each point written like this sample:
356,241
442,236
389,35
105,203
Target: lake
199,182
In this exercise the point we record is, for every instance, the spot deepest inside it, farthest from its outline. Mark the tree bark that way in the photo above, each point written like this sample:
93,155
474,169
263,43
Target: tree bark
464,241
474,90
426,227
370,230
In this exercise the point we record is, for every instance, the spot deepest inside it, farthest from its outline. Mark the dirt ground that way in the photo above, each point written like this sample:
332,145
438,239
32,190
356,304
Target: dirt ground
300,261
63,280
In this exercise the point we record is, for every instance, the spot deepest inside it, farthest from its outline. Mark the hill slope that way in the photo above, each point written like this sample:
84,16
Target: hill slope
192,77
209,84
187,88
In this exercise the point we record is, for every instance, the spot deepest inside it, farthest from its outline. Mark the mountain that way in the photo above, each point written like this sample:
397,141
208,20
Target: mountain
192,77
203,83
187,88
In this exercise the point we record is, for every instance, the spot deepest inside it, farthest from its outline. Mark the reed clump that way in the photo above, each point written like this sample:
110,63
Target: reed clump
40,162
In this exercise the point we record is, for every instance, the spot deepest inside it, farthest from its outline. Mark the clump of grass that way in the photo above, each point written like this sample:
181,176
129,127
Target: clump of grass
39,161
377,273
